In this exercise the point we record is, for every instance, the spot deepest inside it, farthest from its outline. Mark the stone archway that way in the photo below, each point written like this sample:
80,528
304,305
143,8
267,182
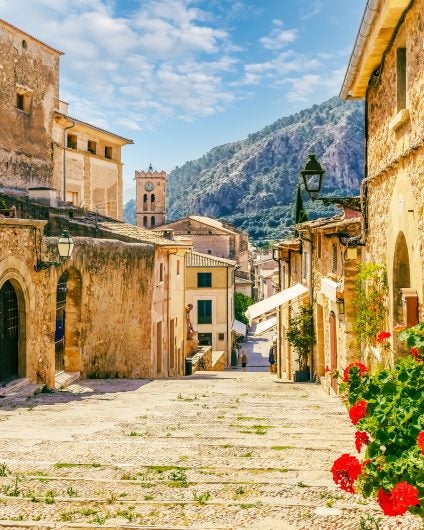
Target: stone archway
68,321
401,276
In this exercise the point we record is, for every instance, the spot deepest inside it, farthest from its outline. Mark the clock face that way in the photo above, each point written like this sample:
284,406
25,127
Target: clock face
148,186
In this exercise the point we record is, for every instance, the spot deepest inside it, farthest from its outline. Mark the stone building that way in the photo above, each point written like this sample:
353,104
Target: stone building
41,147
210,290
386,71
150,198
324,259
87,164
115,309
213,237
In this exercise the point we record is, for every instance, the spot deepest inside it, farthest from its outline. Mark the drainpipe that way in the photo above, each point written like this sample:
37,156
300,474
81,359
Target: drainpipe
64,158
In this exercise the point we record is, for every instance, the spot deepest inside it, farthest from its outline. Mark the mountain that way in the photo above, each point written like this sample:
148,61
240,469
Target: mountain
253,183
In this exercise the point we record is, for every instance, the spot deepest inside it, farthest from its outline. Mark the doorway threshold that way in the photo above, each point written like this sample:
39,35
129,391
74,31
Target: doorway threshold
64,379
13,385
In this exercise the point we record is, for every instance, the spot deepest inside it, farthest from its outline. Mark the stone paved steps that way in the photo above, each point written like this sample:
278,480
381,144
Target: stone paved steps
83,441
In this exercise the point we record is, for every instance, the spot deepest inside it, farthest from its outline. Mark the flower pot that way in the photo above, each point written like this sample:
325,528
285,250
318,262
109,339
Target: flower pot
301,376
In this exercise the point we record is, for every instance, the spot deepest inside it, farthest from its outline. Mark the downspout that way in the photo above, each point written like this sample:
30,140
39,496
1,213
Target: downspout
228,330
64,158
311,296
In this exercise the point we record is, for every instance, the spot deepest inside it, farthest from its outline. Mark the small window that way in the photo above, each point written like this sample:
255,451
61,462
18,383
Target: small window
178,267
221,336
205,339
71,141
210,232
204,311
401,79
161,272
204,279
145,221
145,197
108,151
24,100
91,147
153,221
188,231
209,251
334,257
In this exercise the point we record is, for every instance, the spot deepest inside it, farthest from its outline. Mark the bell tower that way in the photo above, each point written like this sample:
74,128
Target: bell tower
150,198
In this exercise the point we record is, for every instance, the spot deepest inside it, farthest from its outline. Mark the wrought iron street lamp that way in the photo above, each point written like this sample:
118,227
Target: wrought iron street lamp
65,246
312,176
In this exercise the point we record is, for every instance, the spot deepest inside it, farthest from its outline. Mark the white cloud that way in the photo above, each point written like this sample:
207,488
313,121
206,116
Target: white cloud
279,38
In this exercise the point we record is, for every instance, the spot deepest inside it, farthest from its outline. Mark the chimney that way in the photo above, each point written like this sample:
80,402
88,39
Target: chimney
168,234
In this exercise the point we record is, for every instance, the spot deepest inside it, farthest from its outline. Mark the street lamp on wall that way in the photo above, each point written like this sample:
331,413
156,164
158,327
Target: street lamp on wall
340,306
65,246
312,176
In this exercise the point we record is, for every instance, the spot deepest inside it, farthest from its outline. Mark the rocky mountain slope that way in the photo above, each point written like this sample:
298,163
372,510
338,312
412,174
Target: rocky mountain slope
252,183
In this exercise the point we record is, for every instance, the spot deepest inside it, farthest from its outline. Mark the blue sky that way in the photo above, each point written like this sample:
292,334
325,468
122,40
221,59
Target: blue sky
182,76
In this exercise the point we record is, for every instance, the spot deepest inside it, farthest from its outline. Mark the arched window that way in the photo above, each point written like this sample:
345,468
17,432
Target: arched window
145,221
401,276
152,202
145,202
153,223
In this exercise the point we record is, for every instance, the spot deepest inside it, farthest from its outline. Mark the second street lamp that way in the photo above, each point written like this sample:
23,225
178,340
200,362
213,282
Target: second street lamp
312,176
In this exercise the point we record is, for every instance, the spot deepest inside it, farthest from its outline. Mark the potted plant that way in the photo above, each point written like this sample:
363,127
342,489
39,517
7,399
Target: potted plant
301,336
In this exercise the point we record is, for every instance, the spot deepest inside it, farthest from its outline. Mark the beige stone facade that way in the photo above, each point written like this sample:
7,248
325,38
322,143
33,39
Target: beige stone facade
390,78
29,96
87,164
210,290
124,303
40,145
213,237
325,259
150,198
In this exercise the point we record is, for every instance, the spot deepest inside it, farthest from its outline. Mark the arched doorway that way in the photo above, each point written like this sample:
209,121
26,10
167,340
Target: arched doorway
401,276
333,348
9,332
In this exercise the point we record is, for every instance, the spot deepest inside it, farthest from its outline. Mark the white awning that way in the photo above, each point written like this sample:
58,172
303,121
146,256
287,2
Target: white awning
265,326
329,288
281,298
239,327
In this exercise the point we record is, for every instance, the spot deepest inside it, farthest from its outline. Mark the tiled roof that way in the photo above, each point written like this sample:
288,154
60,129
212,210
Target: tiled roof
196,259
141,234
5,23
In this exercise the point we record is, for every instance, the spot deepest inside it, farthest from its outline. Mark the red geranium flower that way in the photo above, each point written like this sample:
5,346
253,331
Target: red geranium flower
327,369
361,367
361,438
420,441
383,335
358,411
399,498
346,470
417,354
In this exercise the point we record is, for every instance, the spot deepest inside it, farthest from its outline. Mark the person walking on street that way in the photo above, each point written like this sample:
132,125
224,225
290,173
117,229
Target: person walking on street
243,359
271,359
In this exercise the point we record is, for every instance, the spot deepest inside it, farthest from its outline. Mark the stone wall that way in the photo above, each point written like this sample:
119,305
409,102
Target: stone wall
110,289
25,137
396,163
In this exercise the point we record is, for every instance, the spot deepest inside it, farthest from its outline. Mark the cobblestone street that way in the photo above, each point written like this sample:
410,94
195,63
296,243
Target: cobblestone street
221,450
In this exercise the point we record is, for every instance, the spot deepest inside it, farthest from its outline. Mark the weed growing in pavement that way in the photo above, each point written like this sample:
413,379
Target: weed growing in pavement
302,484
226,446
148,497
50,497
240,490
37,473
250,418
162,469
183,458
45,389
112,498
36,517
67,517
178,478
256,429
330,503
20,517
100,518
71,492
201,498
64,465
134,433
11,491
128,514
282,447
128,476
4,470
369,522
180,397
248,455
88,511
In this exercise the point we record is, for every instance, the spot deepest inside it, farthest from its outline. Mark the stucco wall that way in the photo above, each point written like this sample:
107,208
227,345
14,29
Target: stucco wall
25,138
